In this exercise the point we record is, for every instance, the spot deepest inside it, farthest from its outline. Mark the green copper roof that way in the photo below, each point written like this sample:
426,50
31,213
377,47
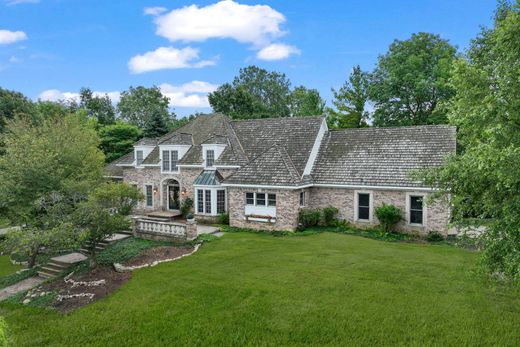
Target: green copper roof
208,178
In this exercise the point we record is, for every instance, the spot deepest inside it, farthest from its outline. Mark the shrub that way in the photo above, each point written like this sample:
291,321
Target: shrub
308,218
223,218
3,333
389,216
329,215
186,206
434,236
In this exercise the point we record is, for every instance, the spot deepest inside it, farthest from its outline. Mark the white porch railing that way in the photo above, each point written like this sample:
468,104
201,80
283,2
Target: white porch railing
145,226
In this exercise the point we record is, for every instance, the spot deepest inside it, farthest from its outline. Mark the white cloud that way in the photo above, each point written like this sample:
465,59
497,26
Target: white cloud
277,51
154,11
7,37
192,94
57,95
14,59
18,2
257,24
168,58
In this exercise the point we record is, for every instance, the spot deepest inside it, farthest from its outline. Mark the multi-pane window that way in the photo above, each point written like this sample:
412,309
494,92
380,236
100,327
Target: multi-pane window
416,209
363,206
221,201
302,199
207,202
170,161
260,199
210,157
139,158
149,195
250,198
200,201
166,160
271,199
175,160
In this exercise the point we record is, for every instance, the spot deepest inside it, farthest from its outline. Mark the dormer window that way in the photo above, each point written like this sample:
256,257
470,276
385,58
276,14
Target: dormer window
170,161
139,158
210,158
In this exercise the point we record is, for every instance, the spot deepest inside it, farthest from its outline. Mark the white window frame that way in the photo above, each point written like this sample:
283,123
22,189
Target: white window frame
213,197
146,197
170,161
137,164
424,208
257,209
370,206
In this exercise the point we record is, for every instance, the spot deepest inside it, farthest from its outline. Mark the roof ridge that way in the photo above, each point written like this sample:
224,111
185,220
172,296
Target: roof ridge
285,154
394,127
275,118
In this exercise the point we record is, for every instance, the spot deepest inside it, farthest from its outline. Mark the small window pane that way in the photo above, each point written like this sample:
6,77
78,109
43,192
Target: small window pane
250,198
260,199
208,200
416,202
416,209
221,201
200,201
364,206
416,217
139,157
271,200
149,196
166,161
302,198
210,157
175,160
364,200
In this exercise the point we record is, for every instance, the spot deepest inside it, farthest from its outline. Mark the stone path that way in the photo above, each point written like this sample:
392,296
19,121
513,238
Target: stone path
206,229
20,287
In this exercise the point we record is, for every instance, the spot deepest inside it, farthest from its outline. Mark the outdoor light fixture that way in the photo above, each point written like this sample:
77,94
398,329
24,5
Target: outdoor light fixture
155,190
183,192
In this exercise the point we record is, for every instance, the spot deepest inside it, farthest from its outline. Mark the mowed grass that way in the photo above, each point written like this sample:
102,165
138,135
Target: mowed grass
6,267
326,289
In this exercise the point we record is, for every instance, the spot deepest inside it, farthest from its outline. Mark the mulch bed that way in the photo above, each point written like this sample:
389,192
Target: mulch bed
113,279
159,253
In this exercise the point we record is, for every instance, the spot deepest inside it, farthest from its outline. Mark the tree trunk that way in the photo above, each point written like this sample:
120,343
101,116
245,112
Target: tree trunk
32,260
92,260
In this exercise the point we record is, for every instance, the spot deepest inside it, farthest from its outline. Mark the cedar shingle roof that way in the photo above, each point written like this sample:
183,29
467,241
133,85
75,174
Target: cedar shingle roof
381,156
296,135
273,167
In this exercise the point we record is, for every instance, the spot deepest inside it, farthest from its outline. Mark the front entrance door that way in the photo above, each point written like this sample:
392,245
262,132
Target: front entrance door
173,197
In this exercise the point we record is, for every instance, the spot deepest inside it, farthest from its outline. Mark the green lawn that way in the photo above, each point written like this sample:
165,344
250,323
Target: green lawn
326,289
6,267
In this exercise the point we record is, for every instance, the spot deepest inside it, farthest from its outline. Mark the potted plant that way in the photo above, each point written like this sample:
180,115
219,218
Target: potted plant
190,217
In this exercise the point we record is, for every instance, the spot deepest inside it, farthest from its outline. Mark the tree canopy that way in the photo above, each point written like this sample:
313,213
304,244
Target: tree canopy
411,82
98,107
306,102
484,179
118,139
146,108
254,93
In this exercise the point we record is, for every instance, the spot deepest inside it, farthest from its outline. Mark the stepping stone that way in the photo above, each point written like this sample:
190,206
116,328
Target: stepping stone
71,258
21,286
206,229
117,237
219,234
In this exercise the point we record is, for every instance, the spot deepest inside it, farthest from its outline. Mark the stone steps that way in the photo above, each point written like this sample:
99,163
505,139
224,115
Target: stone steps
57,265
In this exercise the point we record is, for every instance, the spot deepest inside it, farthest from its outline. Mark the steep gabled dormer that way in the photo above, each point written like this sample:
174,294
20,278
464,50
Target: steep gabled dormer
212,148
142,149
172,150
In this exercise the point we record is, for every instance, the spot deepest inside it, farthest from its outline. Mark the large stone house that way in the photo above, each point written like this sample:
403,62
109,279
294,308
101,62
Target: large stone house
263,171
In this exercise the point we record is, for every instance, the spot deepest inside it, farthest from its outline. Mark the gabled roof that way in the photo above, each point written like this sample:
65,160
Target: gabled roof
381,156
146,141
274,167
208,178
296,135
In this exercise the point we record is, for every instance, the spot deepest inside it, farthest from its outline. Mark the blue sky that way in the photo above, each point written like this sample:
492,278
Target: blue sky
51,48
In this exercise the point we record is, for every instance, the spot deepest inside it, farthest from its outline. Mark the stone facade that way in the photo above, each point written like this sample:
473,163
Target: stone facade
287,207
153,176
436,215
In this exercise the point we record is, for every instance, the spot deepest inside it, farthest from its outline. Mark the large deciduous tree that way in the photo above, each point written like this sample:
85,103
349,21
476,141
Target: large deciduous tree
58,154
411,82
484,179
97,107
254,93
118,139
146,108
350,101
306,102
13,104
